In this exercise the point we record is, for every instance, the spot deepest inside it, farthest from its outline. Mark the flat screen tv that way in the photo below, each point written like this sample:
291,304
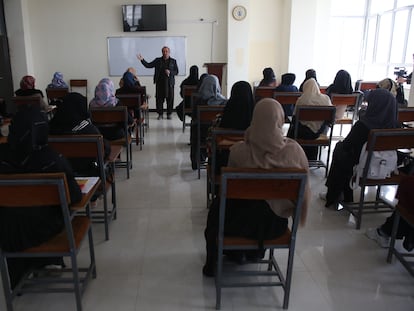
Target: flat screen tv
144,17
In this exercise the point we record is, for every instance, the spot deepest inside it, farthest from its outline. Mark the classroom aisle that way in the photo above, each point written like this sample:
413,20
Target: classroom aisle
154,257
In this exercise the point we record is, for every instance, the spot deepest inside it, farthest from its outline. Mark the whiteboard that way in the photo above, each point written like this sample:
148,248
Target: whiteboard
122,53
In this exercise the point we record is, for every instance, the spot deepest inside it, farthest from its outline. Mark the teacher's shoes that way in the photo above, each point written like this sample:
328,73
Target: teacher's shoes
159,117
168,116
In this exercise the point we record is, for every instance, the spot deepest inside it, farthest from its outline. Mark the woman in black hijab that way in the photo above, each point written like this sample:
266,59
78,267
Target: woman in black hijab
342,84
192,79
27,151
310,73
269,78
381,113
72,118
236,115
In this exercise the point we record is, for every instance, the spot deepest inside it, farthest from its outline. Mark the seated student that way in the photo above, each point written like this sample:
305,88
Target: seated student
129,84
342,84
382,234
72,118
27,151
57,81
209,93
265,147
269,78
310,129
105,97
287,86
236,115
27,88
381,113
310,73
192,79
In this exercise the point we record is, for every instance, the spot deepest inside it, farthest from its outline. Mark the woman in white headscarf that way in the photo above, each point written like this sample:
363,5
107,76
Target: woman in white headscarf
264,146
310,129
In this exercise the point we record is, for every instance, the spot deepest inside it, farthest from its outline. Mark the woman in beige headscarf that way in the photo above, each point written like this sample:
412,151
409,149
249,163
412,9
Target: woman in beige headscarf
264,146
310,129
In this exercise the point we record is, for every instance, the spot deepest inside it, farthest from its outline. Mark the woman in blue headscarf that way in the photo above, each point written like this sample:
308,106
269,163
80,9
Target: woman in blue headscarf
57,81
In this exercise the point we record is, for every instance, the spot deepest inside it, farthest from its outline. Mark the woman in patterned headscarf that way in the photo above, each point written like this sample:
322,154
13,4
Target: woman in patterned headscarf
57,81
104,94
105,97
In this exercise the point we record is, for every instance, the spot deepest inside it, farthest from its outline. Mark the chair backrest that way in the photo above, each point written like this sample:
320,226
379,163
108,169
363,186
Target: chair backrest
406,115
132,101
314,113
263,92
55,93
390,139
26,101
75,84
188,90
366,85
109,116
80,147
263,184
206,114
342,101
31,190
287,98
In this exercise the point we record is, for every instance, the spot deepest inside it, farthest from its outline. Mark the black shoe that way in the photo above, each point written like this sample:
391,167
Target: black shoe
159,117
168,117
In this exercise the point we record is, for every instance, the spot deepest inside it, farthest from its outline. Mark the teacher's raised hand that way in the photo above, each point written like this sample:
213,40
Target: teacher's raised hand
140,57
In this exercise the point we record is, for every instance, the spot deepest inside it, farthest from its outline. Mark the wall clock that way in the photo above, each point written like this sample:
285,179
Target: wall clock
239,12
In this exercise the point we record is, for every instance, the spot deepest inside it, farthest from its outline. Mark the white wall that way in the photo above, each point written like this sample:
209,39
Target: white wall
70,36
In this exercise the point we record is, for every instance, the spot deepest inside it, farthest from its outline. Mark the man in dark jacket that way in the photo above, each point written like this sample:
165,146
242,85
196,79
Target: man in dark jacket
164,78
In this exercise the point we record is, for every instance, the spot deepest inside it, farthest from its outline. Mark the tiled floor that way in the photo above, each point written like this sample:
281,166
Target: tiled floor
154,257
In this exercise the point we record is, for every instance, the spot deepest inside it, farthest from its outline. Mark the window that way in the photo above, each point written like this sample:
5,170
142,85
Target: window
379,35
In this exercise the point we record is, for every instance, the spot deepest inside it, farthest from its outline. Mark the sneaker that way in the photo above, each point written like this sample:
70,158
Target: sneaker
381,239
322,195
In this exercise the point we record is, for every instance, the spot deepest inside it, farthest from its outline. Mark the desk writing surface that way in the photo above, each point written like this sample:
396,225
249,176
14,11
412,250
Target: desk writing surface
87,196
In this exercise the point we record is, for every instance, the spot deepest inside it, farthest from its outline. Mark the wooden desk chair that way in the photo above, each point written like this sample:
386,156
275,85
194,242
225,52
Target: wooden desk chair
221,140
347,106
134,103
260,184
261,92
55,94
188,91
20,102
144,107
406,116
74,147
404,210
362,85
115,117
380,139
316,113
205,116
323,89
287,98
76,84
48,189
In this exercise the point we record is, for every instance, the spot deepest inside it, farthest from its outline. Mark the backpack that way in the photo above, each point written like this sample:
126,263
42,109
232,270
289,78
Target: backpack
382,164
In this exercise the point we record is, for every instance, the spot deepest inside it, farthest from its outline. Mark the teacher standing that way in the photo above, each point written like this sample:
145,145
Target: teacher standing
164,78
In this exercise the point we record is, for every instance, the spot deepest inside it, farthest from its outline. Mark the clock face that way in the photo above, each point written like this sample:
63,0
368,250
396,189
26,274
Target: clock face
239,12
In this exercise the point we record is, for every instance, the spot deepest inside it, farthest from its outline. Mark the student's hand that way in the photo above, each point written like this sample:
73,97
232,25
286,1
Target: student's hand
139,57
